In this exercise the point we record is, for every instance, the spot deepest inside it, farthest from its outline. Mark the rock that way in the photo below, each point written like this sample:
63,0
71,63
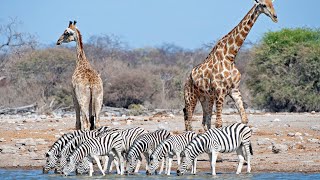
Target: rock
254,129
2,140
40,142
315,128
8,149
279,148
290,134
115,123
43,116
18,129
129,121
263,141
313,112
313,140
171,116
297,134
276,120
287,125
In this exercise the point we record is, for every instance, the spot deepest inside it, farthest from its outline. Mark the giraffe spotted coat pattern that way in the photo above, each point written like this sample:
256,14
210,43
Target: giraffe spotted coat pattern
217,76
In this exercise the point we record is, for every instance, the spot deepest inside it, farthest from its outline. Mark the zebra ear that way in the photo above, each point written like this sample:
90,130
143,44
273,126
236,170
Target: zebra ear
182,154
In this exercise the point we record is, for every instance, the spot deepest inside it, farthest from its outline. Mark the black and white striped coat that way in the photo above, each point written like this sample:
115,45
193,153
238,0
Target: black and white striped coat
73,144
52,154
235,137
171,146
129,136
95,147
144,144
55,150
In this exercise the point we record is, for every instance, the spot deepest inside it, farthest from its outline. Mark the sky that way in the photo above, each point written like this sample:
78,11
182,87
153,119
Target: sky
149,23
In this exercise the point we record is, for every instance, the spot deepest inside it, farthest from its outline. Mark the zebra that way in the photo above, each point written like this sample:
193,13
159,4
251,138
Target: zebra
145,144
171,146
93,148
235,137
73,144
129,136
54,151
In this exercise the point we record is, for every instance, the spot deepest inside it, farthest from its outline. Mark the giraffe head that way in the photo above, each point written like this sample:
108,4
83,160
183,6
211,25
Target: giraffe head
266,7
69,34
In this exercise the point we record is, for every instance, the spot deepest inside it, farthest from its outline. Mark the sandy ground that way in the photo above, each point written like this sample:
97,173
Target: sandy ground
23,141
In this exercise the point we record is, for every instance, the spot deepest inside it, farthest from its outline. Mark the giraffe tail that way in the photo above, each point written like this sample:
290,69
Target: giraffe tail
91,116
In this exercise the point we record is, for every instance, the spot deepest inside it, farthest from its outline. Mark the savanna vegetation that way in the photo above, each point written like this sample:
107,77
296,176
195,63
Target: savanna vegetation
279,73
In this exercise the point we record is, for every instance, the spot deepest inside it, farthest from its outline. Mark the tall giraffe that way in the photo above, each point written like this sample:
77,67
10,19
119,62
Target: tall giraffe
216,77
87,85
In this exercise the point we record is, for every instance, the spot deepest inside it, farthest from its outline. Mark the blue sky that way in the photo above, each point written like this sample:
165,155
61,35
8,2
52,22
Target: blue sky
141,23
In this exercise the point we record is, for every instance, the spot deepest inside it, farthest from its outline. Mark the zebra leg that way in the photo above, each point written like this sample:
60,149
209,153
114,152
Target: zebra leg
213,158
96,158
91,168
162,165
194,166
248,151
169,165
106,165
241,159
138,166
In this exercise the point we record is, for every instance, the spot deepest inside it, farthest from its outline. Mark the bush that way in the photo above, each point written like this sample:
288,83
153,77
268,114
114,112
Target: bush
285,72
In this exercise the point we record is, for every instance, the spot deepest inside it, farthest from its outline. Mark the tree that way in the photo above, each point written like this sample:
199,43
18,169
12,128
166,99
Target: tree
12,39
285,71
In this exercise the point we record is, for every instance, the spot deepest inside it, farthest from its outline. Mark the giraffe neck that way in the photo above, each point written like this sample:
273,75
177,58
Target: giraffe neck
81,56
232,42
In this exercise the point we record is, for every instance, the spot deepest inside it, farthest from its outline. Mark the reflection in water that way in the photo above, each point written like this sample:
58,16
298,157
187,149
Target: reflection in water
37,175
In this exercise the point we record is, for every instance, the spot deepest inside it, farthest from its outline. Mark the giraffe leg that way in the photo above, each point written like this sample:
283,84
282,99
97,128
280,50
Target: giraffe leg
83,97
236,96
207,105
97,104
77,109
219,105
190,104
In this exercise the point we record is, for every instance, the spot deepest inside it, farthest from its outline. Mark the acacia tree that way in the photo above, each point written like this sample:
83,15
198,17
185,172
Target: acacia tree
285,71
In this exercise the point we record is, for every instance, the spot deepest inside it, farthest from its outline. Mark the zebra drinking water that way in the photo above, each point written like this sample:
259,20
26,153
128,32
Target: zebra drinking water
95,147
171,146
144,144
235,137
54,151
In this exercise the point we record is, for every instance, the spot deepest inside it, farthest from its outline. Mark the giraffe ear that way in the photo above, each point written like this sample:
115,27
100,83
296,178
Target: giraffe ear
74,22
70,23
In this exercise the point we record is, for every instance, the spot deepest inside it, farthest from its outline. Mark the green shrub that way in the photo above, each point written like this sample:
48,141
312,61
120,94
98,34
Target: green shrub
285,71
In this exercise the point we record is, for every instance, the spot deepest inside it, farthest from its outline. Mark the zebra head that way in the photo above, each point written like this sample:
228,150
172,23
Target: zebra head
132,161
69,167
153,164
50,162
186,162
83,166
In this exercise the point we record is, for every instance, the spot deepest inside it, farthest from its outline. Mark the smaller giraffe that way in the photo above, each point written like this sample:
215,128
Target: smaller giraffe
87,85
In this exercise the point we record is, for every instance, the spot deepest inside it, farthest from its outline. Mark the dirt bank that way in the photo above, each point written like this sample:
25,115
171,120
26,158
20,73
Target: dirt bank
24,141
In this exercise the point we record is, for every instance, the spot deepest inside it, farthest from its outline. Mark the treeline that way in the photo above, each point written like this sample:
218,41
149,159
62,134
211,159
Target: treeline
273,77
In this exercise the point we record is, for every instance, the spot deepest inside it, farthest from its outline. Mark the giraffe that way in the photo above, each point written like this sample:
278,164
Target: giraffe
217,76
87,85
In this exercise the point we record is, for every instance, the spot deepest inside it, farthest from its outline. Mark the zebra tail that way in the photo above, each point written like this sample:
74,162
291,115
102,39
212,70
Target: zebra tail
250,148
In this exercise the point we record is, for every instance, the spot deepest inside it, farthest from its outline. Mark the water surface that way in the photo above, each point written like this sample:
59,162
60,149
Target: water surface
37,175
